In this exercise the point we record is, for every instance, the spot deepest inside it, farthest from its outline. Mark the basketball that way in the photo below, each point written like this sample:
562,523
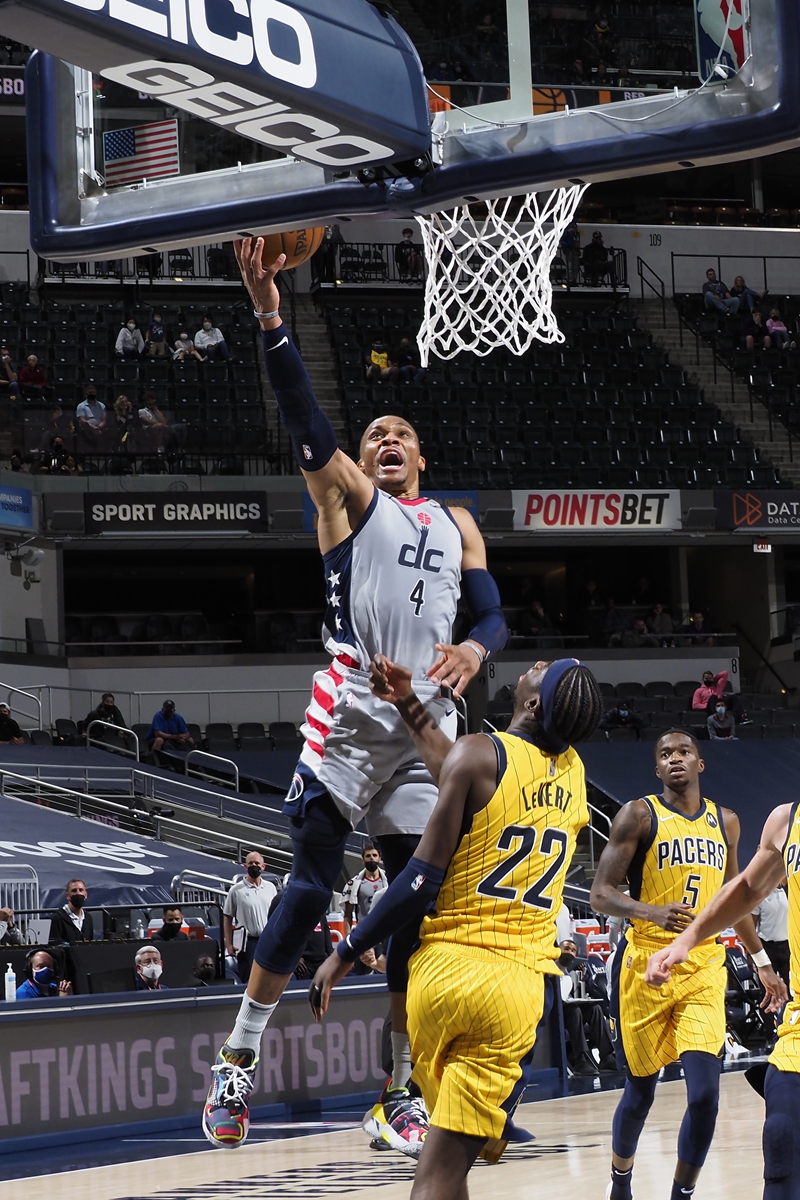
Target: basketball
297,244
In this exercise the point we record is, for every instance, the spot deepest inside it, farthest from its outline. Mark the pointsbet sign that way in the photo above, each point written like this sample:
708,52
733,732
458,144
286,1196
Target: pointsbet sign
596,511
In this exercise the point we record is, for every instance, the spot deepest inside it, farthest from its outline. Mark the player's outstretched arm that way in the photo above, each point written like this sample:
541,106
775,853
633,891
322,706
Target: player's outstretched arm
774,987
457,665
392,682
629,829
467,782
340,491
736,899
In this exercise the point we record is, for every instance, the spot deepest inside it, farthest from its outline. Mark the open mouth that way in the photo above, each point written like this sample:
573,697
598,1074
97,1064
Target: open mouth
390,457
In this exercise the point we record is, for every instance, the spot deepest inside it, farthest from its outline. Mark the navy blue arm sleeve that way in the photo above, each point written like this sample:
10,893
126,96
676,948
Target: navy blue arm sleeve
483,604
408,898
313,438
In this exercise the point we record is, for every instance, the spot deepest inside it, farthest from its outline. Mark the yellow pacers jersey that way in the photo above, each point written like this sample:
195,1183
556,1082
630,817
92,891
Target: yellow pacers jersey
503,889
683,862
786,1055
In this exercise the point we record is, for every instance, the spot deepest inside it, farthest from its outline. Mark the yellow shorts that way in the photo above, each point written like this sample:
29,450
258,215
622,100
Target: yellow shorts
658,1025
472,1018
786,1055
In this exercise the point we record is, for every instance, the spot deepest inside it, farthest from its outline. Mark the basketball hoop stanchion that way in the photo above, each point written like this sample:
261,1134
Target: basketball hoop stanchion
488,276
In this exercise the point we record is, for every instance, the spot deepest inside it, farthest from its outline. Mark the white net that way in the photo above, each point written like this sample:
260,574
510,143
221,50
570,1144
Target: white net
488,276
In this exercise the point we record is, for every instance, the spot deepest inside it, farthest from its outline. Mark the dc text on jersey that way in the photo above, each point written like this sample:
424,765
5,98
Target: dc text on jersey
335,88
421,557
691,851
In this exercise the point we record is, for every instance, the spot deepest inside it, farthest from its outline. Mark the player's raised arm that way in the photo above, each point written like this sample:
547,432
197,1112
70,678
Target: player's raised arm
340,491
392,682
457,664
467,781
629,829
735,900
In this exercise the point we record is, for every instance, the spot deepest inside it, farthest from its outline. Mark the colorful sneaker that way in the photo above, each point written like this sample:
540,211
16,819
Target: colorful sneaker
226,1117
399,1119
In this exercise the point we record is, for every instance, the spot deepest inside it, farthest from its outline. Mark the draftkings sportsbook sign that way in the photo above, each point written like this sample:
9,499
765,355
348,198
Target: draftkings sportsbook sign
176,512
596,511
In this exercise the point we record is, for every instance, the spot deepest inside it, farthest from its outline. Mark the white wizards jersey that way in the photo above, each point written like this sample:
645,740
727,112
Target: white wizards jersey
393,585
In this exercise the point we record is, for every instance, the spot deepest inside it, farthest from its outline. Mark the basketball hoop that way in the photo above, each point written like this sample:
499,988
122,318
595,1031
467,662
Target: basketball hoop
488,276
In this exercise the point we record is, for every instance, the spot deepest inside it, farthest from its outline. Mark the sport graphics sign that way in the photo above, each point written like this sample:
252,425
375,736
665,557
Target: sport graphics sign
335,85
176,512
752,511
596,511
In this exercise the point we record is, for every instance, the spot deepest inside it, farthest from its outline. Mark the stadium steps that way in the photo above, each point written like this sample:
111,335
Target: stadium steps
736,409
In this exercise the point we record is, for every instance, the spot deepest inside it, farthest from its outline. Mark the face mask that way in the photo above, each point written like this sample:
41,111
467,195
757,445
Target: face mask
254,870
170,931
43,976
567,961
184,337
91,397
205,973
623,712
206,324
721,712
77,901
131,326
152,971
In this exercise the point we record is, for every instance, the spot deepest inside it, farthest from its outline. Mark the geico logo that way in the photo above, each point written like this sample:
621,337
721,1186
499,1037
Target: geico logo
253,116
173,24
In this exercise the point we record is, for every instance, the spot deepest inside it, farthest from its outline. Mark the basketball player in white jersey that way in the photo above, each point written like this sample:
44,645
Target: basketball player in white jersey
395,565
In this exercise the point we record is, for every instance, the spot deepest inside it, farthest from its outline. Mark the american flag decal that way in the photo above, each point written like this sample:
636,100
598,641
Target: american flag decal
141,152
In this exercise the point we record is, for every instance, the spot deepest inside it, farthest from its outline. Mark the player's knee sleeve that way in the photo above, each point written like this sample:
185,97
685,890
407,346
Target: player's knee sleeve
281,945
637,1100
778,1142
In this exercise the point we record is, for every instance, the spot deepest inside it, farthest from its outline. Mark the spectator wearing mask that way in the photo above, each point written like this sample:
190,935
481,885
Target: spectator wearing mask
171,930
9,383
379,363
184,348
622,717
91,414
130,343
54,456
776,328
106,711
71,924
204,971
595,261
168,728
721,723
586,1025
209,341
42,980
408,257
149,969
156,343
361,890
247,908
32,379
10,932
10,732
754,332
711,690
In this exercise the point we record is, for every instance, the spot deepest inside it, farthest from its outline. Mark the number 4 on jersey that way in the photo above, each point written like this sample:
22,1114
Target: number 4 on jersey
417,596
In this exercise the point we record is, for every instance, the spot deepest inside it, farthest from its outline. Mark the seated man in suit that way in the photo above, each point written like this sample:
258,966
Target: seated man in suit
70,923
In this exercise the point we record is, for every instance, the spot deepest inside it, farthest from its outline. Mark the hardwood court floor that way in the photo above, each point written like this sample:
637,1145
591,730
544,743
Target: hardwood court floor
570,1157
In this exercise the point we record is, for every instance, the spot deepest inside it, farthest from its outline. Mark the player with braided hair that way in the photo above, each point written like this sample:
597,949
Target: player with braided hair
486,882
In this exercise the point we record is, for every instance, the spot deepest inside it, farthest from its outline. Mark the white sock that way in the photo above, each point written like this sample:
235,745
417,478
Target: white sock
250,1024
401,1060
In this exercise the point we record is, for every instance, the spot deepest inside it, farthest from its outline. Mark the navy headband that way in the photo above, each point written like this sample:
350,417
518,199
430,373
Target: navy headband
547,692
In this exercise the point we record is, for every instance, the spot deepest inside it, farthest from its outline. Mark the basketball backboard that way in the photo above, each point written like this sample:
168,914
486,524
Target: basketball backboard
243,173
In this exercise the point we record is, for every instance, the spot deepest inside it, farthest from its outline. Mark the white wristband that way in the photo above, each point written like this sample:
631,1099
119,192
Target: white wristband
761,959
474,646
266,316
